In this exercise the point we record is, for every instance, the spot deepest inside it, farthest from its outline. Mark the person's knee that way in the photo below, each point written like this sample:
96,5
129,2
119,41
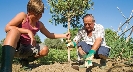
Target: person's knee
103,52
14,31
12,37
13,34
103,56
79,48
44,51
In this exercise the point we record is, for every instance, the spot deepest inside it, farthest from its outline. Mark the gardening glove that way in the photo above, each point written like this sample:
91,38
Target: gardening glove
89,57
88,63
84,56
71,44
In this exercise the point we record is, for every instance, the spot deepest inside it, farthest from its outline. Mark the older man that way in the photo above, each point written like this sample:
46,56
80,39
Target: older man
91,41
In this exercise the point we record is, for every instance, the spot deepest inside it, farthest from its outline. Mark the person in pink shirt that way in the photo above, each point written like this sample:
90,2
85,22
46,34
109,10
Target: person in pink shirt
20,41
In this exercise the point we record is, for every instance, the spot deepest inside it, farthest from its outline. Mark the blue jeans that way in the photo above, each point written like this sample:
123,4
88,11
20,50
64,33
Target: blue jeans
101,50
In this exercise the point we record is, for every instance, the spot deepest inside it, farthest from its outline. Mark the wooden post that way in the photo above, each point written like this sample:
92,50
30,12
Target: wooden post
68,39
68,54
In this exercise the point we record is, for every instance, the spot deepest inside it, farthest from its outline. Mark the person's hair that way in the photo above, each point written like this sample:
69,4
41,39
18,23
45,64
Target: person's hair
35,6
89,15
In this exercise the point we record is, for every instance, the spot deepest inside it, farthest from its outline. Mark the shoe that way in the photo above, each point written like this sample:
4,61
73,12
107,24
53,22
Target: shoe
85,64
82,66
103,63
25,64
31,58
81,62
87,61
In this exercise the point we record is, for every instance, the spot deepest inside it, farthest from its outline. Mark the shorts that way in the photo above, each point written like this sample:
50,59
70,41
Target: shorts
101,50
24,51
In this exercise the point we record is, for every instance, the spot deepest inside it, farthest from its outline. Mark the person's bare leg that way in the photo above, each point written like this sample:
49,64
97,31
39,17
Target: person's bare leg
8,50
43,52
25,61
12,38
81,51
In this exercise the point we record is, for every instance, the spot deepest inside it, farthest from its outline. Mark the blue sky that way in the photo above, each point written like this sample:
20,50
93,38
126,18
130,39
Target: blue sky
105,13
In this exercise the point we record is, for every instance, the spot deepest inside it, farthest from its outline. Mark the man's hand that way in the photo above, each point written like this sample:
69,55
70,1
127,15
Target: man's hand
90,55
71,44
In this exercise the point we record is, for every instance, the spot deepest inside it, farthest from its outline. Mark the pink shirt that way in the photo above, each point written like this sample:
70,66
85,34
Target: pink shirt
24,38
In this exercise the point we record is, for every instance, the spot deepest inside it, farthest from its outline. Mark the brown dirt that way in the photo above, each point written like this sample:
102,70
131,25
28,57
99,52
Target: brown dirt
112,66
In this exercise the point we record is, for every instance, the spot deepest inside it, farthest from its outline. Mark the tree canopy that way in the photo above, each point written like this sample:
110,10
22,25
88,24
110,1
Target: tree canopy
68,11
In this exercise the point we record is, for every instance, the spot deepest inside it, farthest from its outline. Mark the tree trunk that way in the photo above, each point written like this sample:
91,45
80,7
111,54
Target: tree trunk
68,39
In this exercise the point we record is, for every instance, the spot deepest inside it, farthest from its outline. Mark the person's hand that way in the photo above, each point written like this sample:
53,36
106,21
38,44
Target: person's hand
71,44
90,56
31,35
88,60
33,42
67,35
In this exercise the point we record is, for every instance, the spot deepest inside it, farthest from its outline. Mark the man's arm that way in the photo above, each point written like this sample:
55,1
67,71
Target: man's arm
99,37
97,43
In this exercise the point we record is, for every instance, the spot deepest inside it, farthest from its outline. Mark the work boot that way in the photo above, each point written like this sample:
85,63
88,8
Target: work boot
103,63
7,58
25,62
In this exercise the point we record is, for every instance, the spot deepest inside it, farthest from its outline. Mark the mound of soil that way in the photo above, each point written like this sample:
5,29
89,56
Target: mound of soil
112,66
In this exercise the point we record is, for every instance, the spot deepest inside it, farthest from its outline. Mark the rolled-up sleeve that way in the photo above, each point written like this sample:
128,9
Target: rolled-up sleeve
100,32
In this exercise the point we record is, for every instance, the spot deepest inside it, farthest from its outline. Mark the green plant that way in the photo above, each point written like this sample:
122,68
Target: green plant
38,40
119,47
55,43
56,55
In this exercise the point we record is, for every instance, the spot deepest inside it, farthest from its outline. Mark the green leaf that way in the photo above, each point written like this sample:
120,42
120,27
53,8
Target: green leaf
74,9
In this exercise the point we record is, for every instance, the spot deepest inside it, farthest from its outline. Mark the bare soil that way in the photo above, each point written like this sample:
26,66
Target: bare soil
112,66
